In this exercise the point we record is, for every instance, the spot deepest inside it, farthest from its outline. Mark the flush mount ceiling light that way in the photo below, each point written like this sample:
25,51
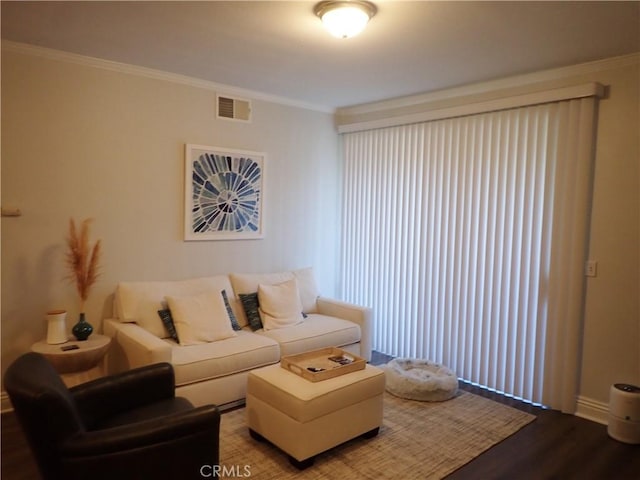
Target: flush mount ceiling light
345,19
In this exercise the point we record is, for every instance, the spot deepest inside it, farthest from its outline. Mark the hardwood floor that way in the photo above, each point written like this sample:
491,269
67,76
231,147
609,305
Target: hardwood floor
554,446
17,462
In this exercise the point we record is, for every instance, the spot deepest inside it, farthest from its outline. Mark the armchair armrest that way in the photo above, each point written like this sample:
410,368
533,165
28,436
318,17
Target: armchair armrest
136,435
173,446
134,346
363,316
107,396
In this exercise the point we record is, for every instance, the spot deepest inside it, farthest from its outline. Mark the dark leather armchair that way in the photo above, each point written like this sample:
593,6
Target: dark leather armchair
126,426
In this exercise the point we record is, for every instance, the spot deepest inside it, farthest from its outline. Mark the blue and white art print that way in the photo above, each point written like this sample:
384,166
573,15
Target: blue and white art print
223,193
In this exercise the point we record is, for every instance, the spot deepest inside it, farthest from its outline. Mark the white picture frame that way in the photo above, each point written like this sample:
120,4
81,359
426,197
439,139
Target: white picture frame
223,193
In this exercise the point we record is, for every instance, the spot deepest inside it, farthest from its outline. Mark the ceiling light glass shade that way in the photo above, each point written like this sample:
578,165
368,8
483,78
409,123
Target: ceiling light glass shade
345,19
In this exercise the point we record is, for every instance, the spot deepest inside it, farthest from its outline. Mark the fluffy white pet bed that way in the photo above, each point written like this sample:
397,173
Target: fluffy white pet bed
420,380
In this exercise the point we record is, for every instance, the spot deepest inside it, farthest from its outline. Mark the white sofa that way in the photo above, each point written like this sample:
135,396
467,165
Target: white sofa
216,371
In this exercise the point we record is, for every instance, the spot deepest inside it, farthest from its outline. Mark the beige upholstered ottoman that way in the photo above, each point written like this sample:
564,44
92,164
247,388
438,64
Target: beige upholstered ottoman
304,418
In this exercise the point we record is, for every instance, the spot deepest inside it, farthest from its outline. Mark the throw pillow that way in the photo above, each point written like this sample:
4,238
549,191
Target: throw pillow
232,317
200,318
167,320
307,288
139,302
280,305
251,307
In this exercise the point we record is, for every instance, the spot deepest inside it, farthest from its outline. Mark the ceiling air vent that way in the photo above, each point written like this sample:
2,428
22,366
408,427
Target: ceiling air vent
234,108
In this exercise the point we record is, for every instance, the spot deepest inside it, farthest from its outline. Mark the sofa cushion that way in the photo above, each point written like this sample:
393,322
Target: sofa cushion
247,284
280,305
317,331
167,320
232,316
251,309
244,283
308,289
243,352
200,318
139,302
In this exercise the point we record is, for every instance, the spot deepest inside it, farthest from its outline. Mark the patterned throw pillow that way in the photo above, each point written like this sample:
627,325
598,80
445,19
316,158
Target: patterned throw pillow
167,320
251,309
234,321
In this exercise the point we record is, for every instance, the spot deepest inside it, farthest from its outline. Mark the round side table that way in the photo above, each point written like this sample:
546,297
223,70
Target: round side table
80,364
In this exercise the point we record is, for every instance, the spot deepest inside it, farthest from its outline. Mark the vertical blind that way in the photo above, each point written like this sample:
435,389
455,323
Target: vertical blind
467,237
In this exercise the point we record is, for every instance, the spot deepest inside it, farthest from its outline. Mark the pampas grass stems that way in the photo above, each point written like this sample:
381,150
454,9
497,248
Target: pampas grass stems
82,261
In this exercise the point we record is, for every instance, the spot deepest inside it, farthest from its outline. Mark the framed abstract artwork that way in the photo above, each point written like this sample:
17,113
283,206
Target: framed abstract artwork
223,194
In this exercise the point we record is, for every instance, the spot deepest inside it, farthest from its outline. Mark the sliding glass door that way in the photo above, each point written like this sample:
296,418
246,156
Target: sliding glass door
467,235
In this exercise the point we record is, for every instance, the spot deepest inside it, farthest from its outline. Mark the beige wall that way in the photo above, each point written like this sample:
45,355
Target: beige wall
80,141
612,310
86,142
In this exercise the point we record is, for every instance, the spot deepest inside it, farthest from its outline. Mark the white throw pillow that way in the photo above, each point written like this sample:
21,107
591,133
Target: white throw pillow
139,302
200,318
307,288
248,283
280,305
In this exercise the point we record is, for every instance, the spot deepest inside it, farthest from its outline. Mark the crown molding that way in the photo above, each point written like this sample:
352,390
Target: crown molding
399,102
59,55
592,89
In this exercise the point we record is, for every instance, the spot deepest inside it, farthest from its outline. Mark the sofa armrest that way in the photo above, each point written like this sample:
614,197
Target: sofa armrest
363,316
133,346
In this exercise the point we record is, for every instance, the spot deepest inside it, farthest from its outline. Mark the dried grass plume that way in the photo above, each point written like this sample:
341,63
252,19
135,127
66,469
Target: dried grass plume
82,261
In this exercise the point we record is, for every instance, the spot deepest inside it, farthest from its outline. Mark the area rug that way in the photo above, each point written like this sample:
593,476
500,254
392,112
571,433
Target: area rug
417,440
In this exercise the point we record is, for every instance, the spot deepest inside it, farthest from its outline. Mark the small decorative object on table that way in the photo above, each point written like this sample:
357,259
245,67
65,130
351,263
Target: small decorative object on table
82,329
82,261
56,327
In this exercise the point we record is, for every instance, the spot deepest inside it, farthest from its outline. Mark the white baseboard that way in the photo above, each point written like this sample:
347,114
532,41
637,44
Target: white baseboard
5,403
593,410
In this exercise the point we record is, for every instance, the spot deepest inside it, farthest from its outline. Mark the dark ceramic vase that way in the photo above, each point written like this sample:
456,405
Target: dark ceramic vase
82,329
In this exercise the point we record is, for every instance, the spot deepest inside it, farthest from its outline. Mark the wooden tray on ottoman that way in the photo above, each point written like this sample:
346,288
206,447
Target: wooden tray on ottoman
323,364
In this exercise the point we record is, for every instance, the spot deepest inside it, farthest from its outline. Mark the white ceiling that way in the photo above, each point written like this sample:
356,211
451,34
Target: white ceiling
280,48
